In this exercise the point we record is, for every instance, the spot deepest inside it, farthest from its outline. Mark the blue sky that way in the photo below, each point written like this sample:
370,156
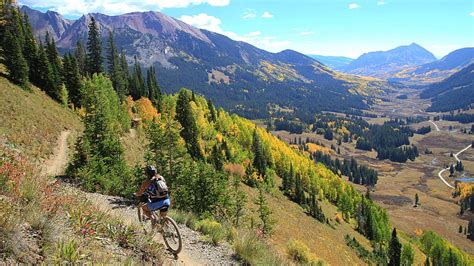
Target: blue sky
327,27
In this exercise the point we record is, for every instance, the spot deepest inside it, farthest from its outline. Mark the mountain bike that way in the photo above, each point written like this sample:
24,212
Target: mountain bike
166,226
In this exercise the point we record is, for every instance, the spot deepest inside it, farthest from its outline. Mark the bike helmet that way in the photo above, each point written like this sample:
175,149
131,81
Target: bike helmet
150,170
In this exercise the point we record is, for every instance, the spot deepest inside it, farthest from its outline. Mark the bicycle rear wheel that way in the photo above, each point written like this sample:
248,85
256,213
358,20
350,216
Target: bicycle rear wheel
171,235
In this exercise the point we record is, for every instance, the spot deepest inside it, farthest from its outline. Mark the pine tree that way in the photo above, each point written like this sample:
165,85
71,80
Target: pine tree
460,229
212,111
137,82
115,71
29,49
417,200
94,58
395,247
44,72
264,213
154,92
16,64
55,78
451,170
185,117
72,78
259,162
99,163
80,55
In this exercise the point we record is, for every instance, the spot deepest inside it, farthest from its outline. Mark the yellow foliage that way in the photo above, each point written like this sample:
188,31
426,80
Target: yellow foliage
219,137
312,148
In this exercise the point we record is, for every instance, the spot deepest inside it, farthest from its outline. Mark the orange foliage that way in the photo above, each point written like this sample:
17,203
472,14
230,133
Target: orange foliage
146,110
418,232
235,169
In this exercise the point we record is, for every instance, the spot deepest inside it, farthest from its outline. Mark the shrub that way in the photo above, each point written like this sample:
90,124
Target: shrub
254,251
212,229
299,252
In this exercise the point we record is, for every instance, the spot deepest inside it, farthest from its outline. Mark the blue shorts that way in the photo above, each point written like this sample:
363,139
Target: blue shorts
158,204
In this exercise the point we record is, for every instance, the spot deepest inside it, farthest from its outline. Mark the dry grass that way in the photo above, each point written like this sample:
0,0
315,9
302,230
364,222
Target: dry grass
293,223
31,121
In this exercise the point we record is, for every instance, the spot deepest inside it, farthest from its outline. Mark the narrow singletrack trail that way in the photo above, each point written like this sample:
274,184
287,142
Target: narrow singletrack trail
58,161
195,251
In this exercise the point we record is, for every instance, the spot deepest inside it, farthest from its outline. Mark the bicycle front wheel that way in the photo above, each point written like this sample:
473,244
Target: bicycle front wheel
171,235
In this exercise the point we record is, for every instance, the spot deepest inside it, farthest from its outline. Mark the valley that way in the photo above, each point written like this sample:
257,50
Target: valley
398,183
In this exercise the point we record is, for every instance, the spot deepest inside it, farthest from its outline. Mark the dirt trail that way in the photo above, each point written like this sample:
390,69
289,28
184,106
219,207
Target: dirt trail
56,164
195,250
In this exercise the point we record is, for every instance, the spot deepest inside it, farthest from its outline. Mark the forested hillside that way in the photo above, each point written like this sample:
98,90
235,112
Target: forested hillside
455,92
206,154
235,75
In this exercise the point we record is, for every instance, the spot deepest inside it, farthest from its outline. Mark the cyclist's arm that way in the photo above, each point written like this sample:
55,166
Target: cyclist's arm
143,188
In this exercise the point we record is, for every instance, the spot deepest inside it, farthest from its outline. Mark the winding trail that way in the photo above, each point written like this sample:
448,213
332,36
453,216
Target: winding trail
440,174
436,126
195,250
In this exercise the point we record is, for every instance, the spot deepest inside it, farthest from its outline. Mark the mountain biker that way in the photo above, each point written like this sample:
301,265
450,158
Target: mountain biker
154,192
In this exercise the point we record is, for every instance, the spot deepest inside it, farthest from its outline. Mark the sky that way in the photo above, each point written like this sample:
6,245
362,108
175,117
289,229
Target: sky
326,27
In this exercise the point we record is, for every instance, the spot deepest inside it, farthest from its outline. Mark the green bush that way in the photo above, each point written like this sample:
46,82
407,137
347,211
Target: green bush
67,252
254,251
299,252
212,229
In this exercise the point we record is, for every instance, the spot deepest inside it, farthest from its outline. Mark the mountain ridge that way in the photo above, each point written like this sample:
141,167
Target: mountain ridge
236,75
382,63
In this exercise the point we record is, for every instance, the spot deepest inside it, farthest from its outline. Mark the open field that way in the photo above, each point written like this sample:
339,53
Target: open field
398,183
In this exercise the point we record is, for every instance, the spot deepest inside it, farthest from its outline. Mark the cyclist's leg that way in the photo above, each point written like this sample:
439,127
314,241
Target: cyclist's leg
146,211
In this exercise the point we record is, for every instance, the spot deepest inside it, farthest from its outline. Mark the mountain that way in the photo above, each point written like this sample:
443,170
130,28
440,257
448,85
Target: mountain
382,64
236,75
438,70
455,92
334,62
50,21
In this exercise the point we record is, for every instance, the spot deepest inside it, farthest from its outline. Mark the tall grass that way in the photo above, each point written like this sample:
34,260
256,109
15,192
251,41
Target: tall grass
254,251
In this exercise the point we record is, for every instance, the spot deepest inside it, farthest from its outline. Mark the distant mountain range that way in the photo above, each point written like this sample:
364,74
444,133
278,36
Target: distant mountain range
438,70
383,64
334,62
455,92
236,75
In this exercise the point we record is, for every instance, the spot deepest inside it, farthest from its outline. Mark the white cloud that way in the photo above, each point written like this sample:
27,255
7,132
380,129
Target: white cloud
353,6
249,14
306,33
380,3
115,7
471,14
254,33
267,14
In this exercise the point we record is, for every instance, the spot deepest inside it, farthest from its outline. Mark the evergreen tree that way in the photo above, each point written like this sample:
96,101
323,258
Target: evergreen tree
154,92
99,163
29,49
137,82
94,58
72,78
460,229
44,72
394,249
451,170
417,200
212,112
55,79
13,58
185,117
259,162
80,55
264,213
115,71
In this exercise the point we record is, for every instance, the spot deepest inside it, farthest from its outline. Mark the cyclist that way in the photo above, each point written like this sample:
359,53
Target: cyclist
154,192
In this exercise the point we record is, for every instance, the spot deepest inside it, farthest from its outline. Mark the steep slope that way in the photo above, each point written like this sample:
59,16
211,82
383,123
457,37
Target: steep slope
383,63
236,75
50,21
453,93
438,70
334,62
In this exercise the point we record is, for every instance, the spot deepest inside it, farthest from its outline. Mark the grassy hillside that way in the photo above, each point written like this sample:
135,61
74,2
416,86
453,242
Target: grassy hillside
40,220
32,121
